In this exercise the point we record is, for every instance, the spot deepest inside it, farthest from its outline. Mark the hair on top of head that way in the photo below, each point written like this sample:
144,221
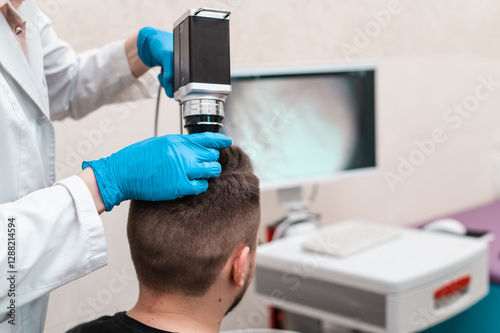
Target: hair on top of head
180,246
234,159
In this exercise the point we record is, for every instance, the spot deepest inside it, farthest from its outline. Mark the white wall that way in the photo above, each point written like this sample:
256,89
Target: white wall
429,55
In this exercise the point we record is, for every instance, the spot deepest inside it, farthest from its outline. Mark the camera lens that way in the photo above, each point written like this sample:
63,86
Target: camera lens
203,123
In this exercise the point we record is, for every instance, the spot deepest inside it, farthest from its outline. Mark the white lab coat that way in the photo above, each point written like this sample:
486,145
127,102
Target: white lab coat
59,235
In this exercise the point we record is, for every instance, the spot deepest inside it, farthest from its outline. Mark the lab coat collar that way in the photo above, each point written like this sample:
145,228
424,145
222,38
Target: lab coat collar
12,59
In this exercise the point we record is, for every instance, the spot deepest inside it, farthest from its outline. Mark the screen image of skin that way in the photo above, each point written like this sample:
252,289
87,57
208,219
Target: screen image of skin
296,126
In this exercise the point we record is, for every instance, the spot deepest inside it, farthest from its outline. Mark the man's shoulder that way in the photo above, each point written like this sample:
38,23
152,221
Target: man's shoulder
120,322
104,324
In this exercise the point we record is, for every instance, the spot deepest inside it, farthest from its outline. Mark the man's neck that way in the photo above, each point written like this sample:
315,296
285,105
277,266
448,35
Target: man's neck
178,313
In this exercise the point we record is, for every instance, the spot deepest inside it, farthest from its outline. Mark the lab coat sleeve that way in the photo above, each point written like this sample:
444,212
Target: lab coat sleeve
79,84
59,237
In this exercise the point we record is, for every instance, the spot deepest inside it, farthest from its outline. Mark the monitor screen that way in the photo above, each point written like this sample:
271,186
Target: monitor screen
303,126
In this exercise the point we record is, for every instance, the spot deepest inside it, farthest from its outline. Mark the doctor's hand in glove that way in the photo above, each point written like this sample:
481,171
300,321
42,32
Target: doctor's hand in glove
149,48
156,48
157,169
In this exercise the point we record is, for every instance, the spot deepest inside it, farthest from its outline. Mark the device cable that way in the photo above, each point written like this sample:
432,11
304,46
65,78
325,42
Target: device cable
157,110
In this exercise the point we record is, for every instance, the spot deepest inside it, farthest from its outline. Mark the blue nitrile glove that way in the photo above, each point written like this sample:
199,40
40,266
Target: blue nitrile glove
159,168
156,48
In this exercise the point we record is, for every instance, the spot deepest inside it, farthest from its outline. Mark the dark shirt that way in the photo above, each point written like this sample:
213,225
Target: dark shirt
120,322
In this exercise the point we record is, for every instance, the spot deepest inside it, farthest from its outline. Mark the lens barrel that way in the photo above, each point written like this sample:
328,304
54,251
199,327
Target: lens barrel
203,123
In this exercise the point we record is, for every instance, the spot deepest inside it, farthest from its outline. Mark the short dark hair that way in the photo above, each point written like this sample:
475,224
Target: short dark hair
183,244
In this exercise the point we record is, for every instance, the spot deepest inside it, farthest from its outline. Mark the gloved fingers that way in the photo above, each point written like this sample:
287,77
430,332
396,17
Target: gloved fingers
145,141
204,170
166,76
195,187
169,86
167,82
167,79
142,46
207,154
211,140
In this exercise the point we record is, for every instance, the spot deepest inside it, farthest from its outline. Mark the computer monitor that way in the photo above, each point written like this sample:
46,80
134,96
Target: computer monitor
303,125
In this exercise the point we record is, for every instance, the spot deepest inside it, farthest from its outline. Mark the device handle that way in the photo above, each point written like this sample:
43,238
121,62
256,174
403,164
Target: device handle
213,10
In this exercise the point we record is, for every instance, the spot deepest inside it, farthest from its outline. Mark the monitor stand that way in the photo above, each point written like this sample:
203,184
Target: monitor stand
298,219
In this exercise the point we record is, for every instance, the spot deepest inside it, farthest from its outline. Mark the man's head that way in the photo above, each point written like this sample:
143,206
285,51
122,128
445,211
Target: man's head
182,246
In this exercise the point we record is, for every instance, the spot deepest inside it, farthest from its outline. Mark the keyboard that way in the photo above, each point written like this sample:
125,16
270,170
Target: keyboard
350,237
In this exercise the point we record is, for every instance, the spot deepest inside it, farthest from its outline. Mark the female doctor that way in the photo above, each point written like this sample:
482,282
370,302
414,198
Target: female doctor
50,232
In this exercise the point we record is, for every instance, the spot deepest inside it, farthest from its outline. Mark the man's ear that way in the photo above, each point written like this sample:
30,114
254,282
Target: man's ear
239,264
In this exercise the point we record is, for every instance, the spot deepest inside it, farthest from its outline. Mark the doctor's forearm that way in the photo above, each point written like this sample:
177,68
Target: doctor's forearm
89,179
137,67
